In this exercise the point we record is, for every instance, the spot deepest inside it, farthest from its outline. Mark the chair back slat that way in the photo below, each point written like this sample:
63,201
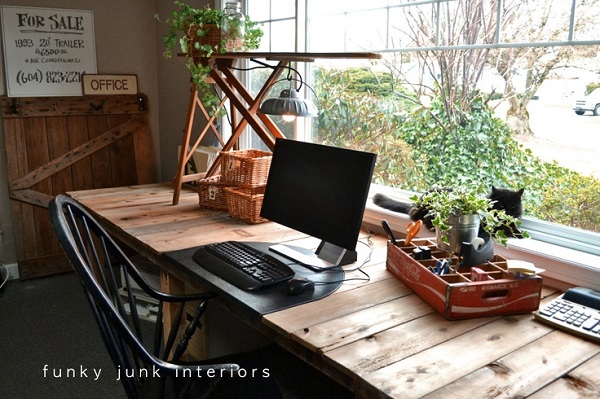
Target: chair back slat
107,276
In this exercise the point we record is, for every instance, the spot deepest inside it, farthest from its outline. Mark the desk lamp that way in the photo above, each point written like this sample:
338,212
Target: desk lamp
289,105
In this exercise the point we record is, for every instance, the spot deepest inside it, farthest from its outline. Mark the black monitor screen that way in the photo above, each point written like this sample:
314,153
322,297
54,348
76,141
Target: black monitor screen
318,190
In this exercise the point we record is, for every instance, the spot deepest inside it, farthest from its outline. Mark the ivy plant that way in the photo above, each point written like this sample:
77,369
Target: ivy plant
443,204
418,151
187,27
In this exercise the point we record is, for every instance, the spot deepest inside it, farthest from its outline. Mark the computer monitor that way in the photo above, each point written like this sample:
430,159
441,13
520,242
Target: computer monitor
321,191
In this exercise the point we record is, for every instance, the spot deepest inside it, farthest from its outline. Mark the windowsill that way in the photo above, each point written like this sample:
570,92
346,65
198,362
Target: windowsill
563,267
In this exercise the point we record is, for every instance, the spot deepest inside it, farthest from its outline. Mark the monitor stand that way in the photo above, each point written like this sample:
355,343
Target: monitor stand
326,256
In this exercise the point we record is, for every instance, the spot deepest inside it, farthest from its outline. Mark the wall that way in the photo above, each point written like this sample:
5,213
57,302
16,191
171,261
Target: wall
174,92
128,40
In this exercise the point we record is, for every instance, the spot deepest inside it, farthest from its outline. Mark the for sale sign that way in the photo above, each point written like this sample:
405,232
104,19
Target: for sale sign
47,51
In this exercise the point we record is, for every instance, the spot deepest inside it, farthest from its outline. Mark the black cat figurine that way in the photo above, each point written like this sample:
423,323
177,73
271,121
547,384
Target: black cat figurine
502,199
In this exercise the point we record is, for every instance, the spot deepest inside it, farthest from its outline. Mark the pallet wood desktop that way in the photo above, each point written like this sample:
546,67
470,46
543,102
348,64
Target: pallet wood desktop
378,338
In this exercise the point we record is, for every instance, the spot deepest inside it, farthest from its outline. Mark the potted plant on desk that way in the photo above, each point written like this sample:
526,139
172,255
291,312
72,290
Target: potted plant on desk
459,215
197,33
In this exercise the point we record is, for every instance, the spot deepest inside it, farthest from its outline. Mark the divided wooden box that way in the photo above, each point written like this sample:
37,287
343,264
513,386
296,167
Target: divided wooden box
455,295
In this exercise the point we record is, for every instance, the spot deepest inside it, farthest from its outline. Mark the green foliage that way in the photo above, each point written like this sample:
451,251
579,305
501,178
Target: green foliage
443,204
460,201
470,154
187,27
496,96
570,199
418,150
363,80
591,87
483,153
351,115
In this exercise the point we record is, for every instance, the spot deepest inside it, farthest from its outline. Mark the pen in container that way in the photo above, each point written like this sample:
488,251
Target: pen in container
442,267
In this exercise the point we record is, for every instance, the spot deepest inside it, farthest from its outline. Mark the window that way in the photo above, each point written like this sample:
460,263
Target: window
514,57
279,23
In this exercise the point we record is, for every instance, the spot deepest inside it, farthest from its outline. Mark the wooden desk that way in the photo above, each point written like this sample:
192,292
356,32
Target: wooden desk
378,338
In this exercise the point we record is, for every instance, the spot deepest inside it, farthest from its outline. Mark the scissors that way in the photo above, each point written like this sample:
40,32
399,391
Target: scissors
412,230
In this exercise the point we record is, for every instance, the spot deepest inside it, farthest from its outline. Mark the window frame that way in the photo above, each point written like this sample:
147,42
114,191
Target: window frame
564,267
569,256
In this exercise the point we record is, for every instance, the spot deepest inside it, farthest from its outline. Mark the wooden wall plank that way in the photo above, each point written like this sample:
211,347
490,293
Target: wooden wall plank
144,156
101,171
16,161
51,149
12,107
77,131
32,197
64,160
36,147
122,160
15,146
61,180
43,266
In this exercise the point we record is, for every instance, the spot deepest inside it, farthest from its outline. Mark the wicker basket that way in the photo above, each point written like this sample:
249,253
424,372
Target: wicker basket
212,37
245,168
244,203
211,193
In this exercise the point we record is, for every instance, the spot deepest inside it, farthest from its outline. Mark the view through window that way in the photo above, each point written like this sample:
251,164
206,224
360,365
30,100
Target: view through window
475,93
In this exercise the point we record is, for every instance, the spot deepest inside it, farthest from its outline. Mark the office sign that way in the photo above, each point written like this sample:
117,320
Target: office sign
109,84
47,51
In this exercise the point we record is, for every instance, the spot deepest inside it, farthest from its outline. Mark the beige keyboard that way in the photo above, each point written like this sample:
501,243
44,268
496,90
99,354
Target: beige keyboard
577,311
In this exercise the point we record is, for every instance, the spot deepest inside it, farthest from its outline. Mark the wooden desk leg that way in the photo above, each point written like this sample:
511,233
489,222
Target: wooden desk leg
210,123
169,284
197,347
250,115
187,151
255,103
184,144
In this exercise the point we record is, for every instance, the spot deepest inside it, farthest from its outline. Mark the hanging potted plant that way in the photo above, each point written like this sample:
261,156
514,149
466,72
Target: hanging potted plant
459,215
196,32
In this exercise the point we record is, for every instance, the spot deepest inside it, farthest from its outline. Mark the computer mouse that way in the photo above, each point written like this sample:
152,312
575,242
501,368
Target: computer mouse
297,286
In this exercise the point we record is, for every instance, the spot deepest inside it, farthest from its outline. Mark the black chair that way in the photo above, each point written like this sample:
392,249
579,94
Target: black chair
106,273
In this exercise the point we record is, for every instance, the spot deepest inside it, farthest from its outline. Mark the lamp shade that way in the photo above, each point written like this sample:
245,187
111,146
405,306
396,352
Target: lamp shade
288,103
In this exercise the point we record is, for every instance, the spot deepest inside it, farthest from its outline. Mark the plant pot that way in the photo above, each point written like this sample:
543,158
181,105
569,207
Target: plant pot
212,37
463,228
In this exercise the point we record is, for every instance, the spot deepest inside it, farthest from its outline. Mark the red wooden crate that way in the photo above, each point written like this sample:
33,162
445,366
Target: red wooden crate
455,295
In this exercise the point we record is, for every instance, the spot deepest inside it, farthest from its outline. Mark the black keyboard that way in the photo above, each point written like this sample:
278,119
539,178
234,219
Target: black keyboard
241,265
576,311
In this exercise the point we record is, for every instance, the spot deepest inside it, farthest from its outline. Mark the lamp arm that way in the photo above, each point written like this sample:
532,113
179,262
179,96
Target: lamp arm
297,80
265,65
